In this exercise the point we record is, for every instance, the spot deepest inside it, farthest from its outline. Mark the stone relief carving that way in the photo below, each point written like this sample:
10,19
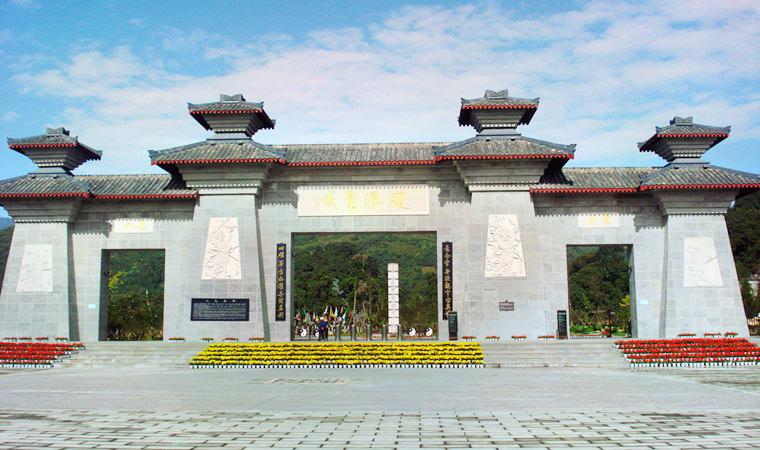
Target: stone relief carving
221,260
701,268
36,273
504,255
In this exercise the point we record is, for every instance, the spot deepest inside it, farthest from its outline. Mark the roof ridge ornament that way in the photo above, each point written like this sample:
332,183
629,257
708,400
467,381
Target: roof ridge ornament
504,93
683,121
57,130
231,98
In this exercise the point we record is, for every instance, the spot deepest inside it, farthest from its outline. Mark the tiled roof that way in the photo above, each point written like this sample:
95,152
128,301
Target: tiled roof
34,185
136,186
230,104
95,186
592,179
517,147
635,179
696,176
53,138
359,154
685,127
217,151
497,100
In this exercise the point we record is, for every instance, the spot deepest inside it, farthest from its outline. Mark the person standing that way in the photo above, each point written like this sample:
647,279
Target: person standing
322,328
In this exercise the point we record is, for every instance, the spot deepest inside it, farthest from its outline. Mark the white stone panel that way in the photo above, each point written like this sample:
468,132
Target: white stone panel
221,260
393,298
700,262
378,200
392,267
599,220
504,254
393,290
132,225
36,273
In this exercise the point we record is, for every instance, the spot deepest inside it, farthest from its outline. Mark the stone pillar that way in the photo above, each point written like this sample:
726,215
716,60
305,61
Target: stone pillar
35,299
223,263
701,285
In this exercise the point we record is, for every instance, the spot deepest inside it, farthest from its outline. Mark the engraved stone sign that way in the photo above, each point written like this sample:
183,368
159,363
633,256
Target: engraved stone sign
129,226
380,200
504,255
220,309
221,260
700,261
36,272
599,220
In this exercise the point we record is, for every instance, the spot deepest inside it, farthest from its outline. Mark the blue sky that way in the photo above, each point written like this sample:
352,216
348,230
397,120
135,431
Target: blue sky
119,74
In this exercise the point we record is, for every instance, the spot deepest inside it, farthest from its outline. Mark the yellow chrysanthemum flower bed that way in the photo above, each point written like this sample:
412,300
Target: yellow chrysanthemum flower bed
339,354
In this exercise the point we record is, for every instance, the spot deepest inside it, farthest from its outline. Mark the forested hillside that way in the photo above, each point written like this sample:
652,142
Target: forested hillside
348,272
743,222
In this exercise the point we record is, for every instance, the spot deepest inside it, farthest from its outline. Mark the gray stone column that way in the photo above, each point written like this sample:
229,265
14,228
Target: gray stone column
205,277
35,299
702,290
701,285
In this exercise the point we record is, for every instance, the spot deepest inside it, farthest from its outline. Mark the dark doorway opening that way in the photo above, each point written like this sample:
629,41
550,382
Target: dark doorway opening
345,275
599,289
132,305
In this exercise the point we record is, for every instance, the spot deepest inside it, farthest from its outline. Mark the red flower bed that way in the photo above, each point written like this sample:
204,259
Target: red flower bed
35,353
713,351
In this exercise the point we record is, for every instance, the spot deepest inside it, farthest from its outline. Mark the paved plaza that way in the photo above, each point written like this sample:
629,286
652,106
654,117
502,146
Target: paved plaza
380,408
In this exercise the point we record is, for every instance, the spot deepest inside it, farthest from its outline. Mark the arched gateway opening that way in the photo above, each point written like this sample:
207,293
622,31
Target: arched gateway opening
345,277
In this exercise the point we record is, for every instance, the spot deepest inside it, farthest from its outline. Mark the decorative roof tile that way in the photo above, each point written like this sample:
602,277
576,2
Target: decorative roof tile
513,147
218,151
359,154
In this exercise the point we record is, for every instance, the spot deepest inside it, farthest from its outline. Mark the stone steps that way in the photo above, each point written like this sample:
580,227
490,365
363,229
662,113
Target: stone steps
601,353
554,353
135,354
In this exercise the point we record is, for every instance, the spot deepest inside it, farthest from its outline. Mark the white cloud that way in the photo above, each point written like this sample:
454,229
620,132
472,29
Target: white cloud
606,73
9,116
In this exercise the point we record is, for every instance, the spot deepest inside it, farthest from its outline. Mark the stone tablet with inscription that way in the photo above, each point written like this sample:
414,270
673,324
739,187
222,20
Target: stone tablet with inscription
220,309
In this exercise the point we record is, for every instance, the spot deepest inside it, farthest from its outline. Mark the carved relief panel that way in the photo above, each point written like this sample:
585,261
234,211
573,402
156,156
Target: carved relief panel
700,261
504,254
36,273
221,260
